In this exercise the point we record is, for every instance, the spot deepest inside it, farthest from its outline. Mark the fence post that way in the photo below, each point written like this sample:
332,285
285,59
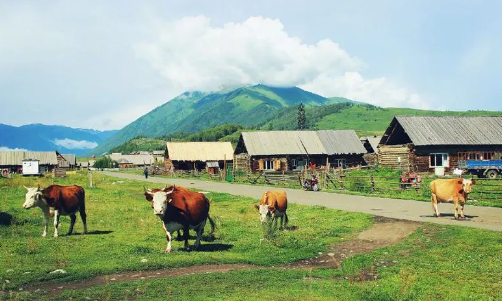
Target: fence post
89,175
416,188
341,179
372,184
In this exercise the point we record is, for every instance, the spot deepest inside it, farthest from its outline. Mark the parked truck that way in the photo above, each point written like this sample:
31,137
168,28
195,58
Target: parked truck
482,168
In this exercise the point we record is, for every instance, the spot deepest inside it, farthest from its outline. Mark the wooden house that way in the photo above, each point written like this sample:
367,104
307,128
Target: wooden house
198,155
436,143
139,160
69,162
13,160
292,150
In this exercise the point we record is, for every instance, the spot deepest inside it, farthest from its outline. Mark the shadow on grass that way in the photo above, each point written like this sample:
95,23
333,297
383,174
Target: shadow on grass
97,232
214,247
5,219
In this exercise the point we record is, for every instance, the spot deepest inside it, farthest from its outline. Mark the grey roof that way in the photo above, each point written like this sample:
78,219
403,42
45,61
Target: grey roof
453,130
341,142
16,157
200,151
70,160
328,142
374,141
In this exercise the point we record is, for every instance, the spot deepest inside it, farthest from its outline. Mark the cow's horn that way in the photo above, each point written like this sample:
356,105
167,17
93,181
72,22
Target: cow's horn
38,187
26,187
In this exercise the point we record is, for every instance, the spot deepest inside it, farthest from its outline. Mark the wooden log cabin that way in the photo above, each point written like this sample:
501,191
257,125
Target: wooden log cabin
435,143
291,150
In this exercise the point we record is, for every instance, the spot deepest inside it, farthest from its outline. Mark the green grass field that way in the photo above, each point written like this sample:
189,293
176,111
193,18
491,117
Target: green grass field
434,263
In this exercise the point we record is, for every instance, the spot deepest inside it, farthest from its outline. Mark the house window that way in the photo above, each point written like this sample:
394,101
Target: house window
294,163
439,160
268,164
340,163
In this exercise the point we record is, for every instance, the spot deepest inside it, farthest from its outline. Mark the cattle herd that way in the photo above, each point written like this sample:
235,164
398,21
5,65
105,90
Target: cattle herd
181,210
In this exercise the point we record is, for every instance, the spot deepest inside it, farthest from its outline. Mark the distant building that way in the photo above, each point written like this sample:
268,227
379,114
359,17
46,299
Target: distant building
13,160
198,155
290,150
437,143
133,160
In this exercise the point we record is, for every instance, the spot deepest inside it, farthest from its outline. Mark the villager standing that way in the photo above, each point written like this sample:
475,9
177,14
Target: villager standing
146,172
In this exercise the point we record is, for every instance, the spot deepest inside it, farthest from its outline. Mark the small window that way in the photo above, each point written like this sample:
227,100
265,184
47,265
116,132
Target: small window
439,160
268,164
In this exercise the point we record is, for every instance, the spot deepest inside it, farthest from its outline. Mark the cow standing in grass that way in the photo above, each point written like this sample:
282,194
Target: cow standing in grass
57,200
273,205
450,191
180,209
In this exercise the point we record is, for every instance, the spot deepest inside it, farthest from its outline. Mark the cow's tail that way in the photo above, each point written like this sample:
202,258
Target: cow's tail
213,225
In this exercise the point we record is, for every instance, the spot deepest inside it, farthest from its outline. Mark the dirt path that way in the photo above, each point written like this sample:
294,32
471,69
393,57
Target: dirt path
384,232
478,217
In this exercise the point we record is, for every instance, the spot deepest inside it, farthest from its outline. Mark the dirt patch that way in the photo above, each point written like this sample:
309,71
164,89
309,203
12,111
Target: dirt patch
385,232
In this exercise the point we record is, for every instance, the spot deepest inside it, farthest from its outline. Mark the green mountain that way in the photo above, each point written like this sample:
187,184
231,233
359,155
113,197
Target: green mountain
194,111
365,119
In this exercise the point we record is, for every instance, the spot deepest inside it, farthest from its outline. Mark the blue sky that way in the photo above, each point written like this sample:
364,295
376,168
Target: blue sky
102,64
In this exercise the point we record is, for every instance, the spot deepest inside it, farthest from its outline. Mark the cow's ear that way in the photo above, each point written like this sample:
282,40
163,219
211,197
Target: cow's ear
473,182
148,196
271,208
26,187
256,207
460,181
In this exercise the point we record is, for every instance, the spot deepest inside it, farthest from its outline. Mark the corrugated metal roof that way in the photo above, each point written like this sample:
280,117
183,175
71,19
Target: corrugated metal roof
70,160
453,130
341,142
200,151
134,159
327,142
282,143
16,157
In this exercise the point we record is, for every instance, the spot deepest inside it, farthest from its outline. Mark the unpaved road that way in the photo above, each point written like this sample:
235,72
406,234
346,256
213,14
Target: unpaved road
477,217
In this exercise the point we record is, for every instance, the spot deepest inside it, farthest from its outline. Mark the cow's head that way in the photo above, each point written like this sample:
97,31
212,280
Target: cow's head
266,212
34,197
159,198
466,185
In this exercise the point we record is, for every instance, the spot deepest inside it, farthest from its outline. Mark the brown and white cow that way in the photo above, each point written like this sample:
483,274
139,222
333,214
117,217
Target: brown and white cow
450,191
273,204
180,209
57,200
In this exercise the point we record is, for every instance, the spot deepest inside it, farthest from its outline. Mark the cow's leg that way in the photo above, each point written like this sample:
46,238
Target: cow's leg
83,216
179,237
287,220
200,231
455,205
462,210
73,218
46,225
434,201
186,236
168,236
56,222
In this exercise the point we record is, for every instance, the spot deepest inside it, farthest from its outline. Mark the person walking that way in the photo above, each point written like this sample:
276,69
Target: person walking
146,172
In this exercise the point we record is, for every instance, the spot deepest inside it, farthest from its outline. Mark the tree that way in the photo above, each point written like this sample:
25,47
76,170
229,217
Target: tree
105,162
302,120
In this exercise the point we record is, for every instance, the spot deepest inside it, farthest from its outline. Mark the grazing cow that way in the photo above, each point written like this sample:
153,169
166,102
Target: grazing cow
273,204
448,191
57,200
180,209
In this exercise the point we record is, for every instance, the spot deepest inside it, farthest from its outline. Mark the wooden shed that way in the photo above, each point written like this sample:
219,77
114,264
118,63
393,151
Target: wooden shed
291,150
435,143
13,160
198,155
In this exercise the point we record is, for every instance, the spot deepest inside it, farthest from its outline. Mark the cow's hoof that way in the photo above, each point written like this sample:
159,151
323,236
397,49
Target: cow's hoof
167,251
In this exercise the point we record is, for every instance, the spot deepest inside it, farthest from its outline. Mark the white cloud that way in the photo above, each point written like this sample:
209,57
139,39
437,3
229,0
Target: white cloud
191,54
4,148
378,91
75,144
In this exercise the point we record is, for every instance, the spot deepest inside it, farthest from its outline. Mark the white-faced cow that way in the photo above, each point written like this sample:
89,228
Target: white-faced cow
57,200
180,209
273,204
450,191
